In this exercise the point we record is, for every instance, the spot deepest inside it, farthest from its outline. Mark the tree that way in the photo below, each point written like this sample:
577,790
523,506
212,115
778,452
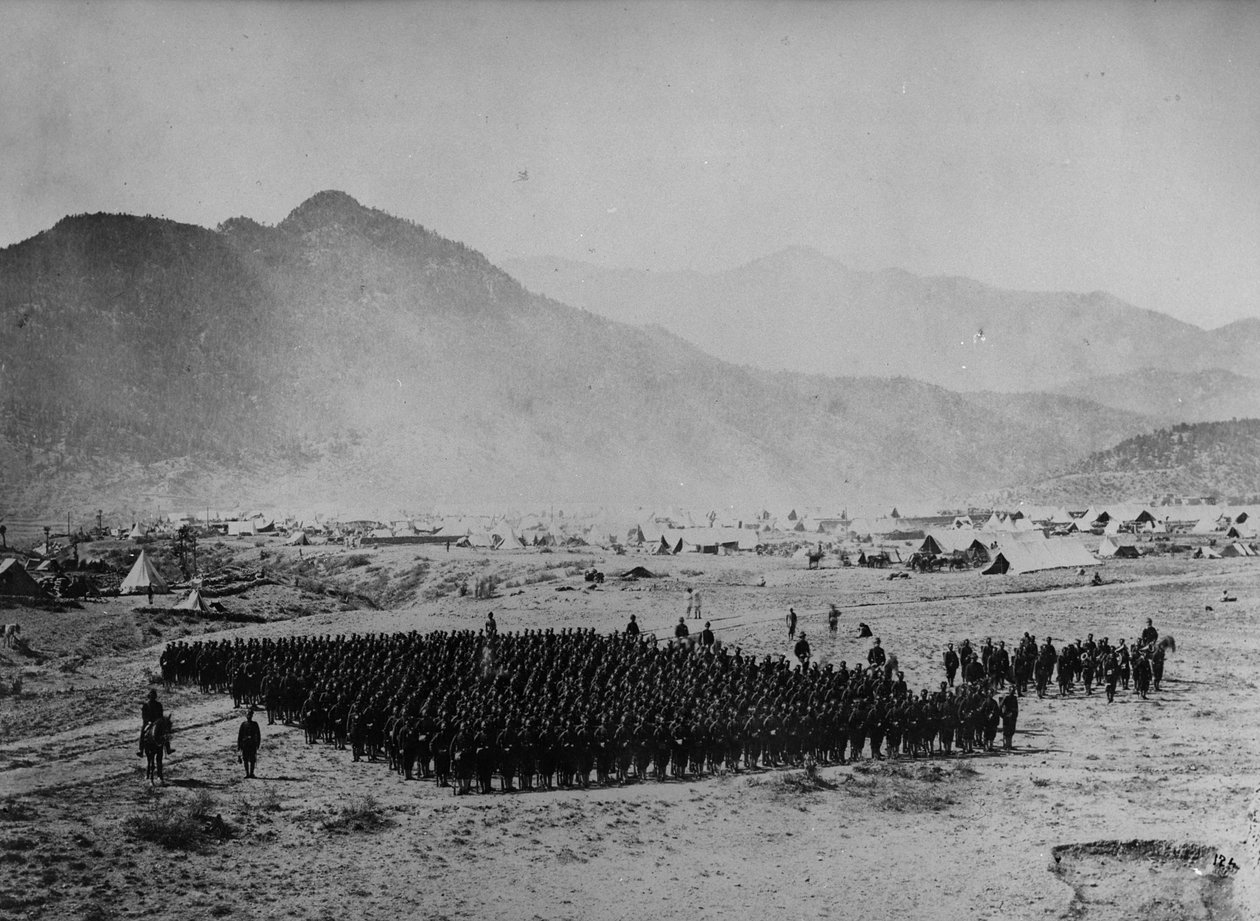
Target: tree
185,547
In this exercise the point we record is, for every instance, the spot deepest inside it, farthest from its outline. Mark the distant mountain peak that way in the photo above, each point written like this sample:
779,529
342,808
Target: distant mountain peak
326,208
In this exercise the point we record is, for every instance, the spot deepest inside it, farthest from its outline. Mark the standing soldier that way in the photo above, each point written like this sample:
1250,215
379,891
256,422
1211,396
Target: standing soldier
691,603
706,636
951,664
632,628
1010,715
248,740
791,623
876,656
833,619
695,597
801,651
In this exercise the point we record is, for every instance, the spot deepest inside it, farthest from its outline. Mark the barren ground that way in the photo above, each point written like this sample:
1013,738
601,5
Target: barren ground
1165,785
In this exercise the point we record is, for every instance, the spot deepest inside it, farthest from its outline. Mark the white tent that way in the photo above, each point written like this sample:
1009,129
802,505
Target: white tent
194,602
1032,552
144,577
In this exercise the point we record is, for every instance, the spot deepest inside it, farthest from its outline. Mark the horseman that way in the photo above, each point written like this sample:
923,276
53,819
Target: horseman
150,713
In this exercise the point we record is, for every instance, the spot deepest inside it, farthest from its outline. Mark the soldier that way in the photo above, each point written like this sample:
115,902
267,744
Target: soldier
801,651
491,627
151,712
876,655
706,636
248,741
791,623
951,664
632,628
1112,675
681,630
695,597
1150,634
833,619
1010,716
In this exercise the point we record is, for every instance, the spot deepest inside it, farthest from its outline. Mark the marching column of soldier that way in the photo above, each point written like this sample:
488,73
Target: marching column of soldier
542,708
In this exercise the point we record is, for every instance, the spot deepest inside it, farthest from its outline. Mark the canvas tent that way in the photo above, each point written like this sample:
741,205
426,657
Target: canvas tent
297,539
144,577
1031,552
194,602
1110,547
1206,553
15,581
1237,548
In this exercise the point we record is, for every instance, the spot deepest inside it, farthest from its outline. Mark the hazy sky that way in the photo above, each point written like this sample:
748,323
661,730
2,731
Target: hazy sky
1082,146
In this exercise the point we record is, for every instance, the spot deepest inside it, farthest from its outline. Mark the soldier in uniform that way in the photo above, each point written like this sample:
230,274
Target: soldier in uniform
951,664
876,655
632,628
248,741
801,651
150,712
1010,716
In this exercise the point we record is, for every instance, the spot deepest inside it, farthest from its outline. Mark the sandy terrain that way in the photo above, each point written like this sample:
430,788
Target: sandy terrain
1165,785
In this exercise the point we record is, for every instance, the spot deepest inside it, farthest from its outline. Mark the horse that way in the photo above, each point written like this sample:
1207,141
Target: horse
12,635
153,743
815,557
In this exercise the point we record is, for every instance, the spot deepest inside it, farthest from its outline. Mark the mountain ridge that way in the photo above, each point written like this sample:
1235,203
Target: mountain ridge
346,355
799,309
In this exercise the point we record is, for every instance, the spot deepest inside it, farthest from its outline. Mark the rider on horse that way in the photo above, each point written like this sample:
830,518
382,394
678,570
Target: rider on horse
150,713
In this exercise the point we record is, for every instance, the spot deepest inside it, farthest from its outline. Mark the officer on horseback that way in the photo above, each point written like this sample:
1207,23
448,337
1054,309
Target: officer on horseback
150,713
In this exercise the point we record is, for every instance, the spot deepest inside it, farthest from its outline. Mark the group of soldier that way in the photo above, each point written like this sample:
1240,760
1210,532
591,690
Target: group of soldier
1089,664
546,708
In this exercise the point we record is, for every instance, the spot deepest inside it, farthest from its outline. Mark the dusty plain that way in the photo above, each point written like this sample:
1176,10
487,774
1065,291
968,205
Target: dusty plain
1101,812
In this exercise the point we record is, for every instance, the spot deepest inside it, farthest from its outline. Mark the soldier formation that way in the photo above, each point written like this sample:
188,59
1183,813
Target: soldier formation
1089,664
546,708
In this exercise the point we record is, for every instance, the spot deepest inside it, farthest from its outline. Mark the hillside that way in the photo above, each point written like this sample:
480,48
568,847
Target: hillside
800,310
347,357
1206,458
1173,396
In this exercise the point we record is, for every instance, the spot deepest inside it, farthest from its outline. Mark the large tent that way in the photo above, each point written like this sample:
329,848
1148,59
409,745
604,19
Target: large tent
297,539
144,577
15,581
1032,552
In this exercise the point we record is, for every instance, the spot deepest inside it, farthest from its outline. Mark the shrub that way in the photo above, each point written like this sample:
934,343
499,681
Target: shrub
362,813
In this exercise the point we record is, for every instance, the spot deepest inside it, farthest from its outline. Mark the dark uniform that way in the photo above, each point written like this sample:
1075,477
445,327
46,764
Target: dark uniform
951,664
151,712
801,651
248,741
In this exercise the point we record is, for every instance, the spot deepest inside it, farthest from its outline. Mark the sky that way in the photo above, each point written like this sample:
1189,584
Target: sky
1045,146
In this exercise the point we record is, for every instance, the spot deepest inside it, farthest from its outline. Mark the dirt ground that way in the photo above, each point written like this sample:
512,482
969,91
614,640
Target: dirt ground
1102,812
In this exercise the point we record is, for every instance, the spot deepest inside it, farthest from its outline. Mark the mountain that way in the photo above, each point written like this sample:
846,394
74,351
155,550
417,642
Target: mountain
347,357
1174,396
1204,458
800,310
